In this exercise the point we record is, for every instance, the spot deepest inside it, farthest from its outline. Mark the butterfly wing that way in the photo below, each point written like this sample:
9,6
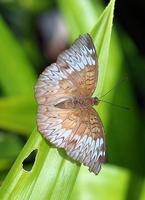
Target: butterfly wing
87,144
81,57
54,85
79,132
74,74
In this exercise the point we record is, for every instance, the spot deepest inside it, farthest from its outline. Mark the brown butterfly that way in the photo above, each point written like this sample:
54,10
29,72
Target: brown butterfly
66,117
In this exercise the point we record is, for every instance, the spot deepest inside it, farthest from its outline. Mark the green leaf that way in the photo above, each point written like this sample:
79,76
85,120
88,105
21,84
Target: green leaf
17,76
102,187
80,16
34,6
17,114
53,174
10,146
101,34
135,187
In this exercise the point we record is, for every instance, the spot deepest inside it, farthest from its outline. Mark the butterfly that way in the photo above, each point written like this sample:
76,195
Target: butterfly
66,117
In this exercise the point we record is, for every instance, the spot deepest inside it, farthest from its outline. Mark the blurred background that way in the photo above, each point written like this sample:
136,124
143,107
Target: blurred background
32,34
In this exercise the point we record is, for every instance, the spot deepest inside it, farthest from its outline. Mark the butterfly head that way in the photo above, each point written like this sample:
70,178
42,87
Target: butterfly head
96,101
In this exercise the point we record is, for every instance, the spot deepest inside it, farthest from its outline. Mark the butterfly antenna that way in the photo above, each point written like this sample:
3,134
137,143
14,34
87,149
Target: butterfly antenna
120,106
114,87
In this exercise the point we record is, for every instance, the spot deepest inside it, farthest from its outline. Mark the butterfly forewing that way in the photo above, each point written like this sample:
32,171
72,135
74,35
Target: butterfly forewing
79,131
80,62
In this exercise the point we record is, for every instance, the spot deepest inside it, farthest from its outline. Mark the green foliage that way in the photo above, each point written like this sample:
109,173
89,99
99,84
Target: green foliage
110,184
34,5
17,114
17,76
10,146
53,173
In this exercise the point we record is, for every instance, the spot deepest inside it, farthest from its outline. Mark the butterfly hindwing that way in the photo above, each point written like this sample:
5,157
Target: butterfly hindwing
80,133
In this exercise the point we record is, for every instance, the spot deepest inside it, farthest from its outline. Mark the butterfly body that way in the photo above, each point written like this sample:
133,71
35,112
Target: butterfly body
66,117
77,103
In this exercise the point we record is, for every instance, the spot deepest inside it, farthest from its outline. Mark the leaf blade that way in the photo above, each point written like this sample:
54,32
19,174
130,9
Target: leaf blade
17,76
